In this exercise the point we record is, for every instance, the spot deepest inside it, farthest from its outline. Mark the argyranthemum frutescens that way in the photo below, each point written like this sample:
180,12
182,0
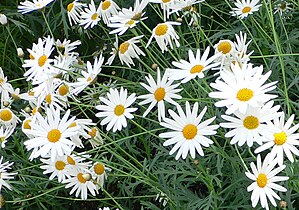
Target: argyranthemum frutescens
264,177
4,175
241,88
189,133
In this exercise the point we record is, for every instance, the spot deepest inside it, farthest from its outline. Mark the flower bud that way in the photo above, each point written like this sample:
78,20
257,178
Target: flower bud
20,53
3,19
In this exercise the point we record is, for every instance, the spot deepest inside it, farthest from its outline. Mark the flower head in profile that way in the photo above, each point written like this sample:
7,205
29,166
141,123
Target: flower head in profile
73,11
189,133
242,88
264,177
4,175
116,109
108,8
29,6
164,35
160,91
245,8
283,140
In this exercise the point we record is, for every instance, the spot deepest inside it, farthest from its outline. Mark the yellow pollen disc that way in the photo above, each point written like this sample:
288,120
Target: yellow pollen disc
262,180
196,69
36,109
99,169
63,90
54,135
6,115
94,16
137,16
224,47
59,165
27,124
166,1
31,93
189,131
73,124
161,30
123,47
106,5
49,98
93,132
130,22
244,94
246,9
70,6
81,178
31,57
119,110
1,81
70,160
251,122
280,138
42,60
159,94
2,138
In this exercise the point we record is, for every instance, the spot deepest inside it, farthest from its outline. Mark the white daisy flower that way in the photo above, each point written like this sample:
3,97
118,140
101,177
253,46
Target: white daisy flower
264,177
245,8
98,173
8,118
67,47
127,18
283,141
240,88
40,62
194,68
108,8
28,6
116,109
165,5
241,48
78,162
91,16
95,137
80,183
4,175
282,7
164,34
160,91
73,11
89,77
51,134
5,133
57,168
188,132
83,124
251,126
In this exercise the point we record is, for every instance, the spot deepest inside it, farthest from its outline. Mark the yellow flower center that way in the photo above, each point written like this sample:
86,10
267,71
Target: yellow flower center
166,1
70,6
189,131
130,22
27,124
94,16
160,94
99,169
123,47
244,94
73,124
31,93
280,138
93,132
262,180
70,160
59,165
31,57
5,115
251,122
63,90
49,98
81,178
196,69
1,81
42,60
161,29
137,16
224,47
54,135
106,5
119,110
246,9
36,109
2,138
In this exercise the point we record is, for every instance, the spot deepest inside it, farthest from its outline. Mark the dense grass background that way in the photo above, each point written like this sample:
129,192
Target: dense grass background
141,166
